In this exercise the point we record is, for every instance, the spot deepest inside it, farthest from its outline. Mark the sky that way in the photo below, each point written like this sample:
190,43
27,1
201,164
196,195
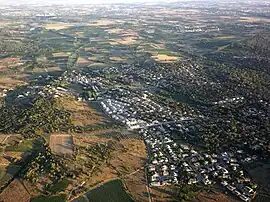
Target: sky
13,2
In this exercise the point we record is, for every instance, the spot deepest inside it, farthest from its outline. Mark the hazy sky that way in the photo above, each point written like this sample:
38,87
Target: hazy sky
9,2
14,2
74,1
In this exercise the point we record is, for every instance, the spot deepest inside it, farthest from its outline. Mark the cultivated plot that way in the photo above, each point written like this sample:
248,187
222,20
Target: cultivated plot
61,144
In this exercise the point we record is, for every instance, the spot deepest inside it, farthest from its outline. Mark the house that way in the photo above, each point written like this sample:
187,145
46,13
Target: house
192,181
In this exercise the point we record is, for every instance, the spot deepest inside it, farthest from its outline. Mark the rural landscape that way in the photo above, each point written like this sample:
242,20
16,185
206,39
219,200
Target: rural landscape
142,102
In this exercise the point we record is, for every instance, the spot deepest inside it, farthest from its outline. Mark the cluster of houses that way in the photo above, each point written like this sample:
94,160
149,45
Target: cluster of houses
84,79
135,109
163,168
55,91
171,163
234,100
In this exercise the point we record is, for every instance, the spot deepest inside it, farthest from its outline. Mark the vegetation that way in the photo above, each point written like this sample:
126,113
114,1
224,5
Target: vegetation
56,198
112,191
186,194
88,160
21,146
41,117
59,186
44,164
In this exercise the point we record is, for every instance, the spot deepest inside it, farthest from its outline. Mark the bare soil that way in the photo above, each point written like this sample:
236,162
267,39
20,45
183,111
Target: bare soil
15,192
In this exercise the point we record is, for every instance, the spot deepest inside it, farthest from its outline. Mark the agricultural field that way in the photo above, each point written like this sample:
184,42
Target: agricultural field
81,113
165,58
9,82
122,158
56,198
112,191
137,186
58,26
15,150
61,144
213,196
15,191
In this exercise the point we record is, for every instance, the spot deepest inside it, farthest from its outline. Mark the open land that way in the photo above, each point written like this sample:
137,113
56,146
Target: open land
62,144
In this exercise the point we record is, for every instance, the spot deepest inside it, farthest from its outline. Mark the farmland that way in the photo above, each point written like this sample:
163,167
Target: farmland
113,191
15,191
81,113
61,144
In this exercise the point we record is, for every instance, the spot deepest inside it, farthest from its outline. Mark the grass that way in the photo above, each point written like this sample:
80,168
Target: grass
7,174
4,177
81,199
25,145
112,191
60,186
57,198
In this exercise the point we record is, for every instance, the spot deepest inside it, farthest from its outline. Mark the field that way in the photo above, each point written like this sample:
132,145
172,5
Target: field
117,59
164,57
61,144
61,54
125,157
81,113
15,149
102,22
9,82
254,19
21,145
112,191
97,64
15,192
7,174
57,198
82,61
3,138
58,26
213,197
6,62
226,37
126,40
136,185
115,31
60,186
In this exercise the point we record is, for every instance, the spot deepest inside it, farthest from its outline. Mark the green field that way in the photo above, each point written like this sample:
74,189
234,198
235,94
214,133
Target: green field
112,191
60,186
25,145
4,177
7,174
